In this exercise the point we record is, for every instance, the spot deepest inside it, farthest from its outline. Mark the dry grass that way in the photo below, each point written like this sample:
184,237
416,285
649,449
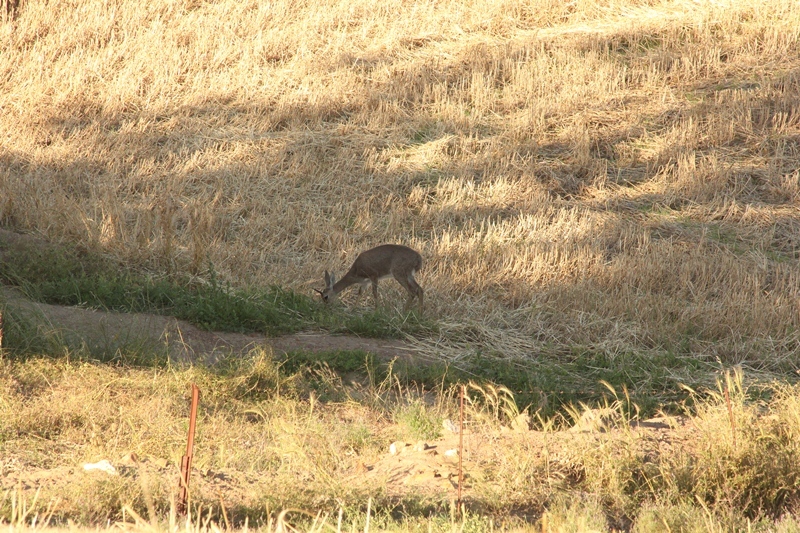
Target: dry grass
266,444
603,176
621,175
256,437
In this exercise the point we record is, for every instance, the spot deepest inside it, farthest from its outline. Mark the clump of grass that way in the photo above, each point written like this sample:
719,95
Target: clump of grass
342,361
418,421
258,377
582,515
740,464
695,518
748,458
385,324
23,335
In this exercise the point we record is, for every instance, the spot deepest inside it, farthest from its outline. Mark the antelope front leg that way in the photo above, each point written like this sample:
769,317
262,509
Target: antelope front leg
358,295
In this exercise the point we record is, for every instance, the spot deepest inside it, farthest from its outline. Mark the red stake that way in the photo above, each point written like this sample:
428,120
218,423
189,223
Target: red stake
186,460
460,450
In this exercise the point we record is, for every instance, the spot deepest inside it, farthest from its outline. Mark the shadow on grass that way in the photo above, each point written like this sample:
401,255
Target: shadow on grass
63,276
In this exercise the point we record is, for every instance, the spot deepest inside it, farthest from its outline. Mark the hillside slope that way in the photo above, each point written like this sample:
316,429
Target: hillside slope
591,177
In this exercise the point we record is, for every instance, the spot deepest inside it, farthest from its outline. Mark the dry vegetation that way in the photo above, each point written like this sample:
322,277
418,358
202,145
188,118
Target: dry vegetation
308,442
616,175
274,443
595,176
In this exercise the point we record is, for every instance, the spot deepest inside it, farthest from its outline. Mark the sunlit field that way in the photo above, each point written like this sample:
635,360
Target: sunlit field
615,175
606,189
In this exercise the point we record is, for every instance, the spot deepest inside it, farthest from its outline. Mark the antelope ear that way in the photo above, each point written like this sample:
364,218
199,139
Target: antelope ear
333,280
327,279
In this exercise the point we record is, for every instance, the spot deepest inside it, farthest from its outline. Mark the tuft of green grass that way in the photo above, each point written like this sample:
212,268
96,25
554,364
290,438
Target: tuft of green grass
22,335
344,361
418,421
256,378
382,324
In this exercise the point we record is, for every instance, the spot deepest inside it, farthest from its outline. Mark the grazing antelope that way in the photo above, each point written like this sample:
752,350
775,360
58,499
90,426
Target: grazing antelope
400,262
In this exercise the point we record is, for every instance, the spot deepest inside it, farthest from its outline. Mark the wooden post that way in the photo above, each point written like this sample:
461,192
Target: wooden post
186,460
461,451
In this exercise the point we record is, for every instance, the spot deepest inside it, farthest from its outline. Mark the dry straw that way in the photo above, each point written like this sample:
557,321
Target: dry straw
614,174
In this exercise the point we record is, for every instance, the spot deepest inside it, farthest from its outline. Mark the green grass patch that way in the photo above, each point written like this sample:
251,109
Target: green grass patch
418,421
381,324
344,361
63,276
547,384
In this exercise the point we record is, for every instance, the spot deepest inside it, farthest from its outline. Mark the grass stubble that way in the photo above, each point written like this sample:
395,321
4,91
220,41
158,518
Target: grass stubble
597,187
619,176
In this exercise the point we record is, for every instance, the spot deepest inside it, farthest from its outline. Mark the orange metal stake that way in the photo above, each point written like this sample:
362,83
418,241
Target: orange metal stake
460,450
186,461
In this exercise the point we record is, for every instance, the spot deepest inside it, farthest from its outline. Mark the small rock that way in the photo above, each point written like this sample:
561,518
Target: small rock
449,425
451,455
421,446
397,447
103,466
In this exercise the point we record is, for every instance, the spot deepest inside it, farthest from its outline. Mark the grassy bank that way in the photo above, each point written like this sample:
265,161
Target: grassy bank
275,436
62,275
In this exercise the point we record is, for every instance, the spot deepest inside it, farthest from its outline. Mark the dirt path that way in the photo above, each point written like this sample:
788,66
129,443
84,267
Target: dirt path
108,331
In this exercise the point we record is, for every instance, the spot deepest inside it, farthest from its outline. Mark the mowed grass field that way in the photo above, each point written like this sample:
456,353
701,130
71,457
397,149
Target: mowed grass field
621,176
599,189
